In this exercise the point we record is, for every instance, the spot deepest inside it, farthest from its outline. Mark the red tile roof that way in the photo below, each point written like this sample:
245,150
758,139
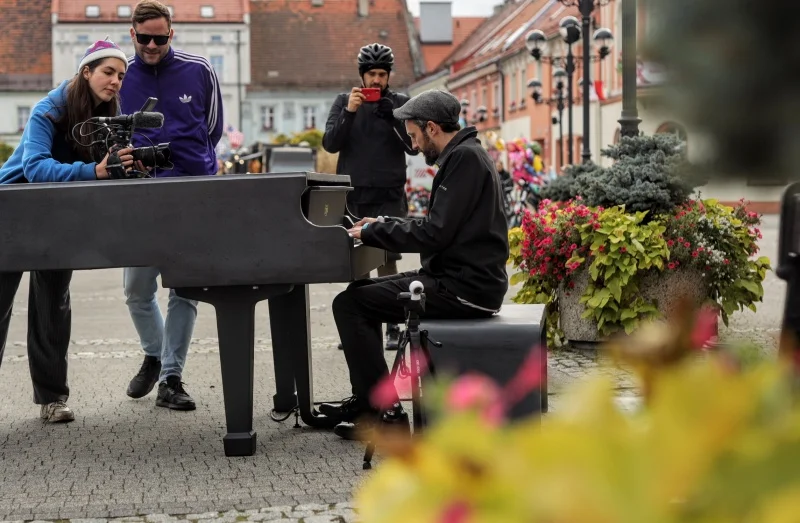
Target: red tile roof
435,54
182,10
25,45
504,33
297,46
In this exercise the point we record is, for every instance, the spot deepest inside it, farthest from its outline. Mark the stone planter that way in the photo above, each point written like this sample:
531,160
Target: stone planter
665,288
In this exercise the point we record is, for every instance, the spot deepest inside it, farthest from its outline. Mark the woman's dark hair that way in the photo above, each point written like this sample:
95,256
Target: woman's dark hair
80,107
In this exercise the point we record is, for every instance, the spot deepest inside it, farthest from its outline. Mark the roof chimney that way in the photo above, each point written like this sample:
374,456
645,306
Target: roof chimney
363,8
436,22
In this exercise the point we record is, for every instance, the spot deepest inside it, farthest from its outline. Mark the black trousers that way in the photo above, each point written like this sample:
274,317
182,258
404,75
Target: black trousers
360,310
49,329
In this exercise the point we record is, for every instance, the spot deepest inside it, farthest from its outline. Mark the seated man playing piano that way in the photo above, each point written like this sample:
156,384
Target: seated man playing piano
463,246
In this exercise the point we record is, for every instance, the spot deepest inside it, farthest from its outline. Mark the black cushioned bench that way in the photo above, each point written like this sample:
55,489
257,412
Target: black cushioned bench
495,346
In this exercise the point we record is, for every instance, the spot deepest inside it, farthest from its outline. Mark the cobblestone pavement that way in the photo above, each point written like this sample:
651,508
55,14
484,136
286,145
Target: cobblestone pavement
127,459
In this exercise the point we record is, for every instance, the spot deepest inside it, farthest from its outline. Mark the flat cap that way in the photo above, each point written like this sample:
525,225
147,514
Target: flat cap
433,106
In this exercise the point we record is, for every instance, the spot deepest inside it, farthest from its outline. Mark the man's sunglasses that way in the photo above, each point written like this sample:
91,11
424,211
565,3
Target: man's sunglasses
145,39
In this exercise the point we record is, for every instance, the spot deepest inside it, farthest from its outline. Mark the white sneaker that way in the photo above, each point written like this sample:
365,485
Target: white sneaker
57,412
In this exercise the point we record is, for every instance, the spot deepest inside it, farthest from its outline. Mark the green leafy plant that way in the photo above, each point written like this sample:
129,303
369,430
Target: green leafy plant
618,249
5,152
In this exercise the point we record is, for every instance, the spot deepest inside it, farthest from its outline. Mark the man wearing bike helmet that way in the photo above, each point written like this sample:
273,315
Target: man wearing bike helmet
372,145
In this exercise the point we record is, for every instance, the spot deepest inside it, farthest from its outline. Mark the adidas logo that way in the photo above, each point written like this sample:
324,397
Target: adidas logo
185,98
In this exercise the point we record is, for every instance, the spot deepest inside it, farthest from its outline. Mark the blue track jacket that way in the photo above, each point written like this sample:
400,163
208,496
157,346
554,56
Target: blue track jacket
32,160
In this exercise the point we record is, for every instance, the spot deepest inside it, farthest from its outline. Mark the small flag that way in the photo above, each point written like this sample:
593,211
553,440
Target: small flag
599,90
235,138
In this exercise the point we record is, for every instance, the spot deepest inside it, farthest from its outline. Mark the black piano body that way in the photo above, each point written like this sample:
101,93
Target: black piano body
230,241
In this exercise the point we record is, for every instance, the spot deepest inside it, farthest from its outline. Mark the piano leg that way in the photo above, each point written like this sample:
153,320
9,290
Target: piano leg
289,322
283,346
235,307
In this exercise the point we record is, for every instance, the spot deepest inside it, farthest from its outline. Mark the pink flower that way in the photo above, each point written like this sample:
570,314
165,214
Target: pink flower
474,391
528,377
384,394
687,245
456,512
705,328
671,265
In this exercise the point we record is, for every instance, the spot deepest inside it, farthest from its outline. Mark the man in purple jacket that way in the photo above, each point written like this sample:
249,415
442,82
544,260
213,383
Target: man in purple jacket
189,97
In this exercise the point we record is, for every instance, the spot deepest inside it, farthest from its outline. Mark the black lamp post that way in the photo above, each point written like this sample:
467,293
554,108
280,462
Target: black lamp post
559,79
571,31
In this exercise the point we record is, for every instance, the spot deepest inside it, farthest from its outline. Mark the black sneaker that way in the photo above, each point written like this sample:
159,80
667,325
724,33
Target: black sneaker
348,410
172,395
392,337
141,384
394,418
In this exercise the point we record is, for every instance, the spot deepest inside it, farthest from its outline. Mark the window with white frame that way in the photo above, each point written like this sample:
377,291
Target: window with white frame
207,11
268,117
309,117
218,63
485,98
496,101
513,87
523,83
23,114
123,11
92,11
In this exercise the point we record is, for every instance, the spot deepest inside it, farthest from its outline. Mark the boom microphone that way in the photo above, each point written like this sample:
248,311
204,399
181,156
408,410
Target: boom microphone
141,120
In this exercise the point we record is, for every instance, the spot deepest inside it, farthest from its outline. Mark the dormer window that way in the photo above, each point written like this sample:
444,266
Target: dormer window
207,11
123,11
92,11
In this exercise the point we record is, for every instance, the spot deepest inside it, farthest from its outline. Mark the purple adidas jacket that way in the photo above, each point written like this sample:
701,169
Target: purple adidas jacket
189,97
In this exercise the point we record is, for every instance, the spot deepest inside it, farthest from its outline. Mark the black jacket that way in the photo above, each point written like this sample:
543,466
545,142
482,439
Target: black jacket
371,150
463,241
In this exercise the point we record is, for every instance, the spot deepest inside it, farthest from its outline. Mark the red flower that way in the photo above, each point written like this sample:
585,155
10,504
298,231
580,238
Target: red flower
671,265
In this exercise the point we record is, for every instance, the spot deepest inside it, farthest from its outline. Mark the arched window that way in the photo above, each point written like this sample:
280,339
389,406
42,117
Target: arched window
672,128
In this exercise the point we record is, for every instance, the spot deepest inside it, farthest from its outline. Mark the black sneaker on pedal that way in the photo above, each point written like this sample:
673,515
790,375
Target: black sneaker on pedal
347,410
172,395
147,377
394,419
392,337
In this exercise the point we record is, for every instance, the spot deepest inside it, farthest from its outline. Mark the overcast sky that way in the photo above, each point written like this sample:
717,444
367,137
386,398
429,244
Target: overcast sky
462,7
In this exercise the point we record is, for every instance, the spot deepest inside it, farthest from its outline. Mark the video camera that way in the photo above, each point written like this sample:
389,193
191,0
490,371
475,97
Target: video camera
116,133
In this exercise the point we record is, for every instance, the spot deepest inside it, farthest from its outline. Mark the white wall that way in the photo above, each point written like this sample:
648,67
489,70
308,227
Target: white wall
288,113
209,40
516,128
9,104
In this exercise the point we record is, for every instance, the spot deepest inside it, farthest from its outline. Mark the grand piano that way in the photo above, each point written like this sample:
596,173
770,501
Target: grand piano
230,241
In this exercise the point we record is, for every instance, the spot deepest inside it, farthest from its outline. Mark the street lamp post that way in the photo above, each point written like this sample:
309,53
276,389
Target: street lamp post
629,119
560,78
570,31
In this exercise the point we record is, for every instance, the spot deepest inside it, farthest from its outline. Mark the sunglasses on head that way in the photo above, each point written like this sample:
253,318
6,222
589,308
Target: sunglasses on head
144,39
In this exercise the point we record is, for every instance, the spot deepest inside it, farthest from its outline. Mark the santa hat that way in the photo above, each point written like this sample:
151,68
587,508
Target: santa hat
102,49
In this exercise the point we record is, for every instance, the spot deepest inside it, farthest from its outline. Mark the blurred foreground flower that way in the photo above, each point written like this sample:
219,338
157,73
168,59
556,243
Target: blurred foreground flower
717,440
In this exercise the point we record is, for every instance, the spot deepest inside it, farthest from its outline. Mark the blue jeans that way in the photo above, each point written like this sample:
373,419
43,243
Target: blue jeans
166,340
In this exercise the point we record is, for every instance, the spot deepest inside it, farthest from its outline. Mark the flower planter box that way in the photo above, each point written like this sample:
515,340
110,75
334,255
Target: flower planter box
664,287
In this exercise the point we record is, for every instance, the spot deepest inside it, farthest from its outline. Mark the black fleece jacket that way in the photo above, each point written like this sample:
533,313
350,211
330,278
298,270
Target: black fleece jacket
371,149
463,241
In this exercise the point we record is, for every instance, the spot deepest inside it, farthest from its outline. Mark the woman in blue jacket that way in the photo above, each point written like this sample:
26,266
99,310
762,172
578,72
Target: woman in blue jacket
49,151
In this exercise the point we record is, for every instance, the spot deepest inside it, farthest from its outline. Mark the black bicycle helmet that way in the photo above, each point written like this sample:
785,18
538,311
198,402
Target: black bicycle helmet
375,56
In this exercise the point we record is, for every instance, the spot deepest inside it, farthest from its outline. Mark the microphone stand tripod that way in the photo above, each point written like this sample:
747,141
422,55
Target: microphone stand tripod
418,355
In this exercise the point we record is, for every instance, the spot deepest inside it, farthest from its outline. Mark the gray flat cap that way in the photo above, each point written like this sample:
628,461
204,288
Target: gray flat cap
433,106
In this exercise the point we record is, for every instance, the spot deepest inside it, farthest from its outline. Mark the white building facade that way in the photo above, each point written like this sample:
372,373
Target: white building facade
223,40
